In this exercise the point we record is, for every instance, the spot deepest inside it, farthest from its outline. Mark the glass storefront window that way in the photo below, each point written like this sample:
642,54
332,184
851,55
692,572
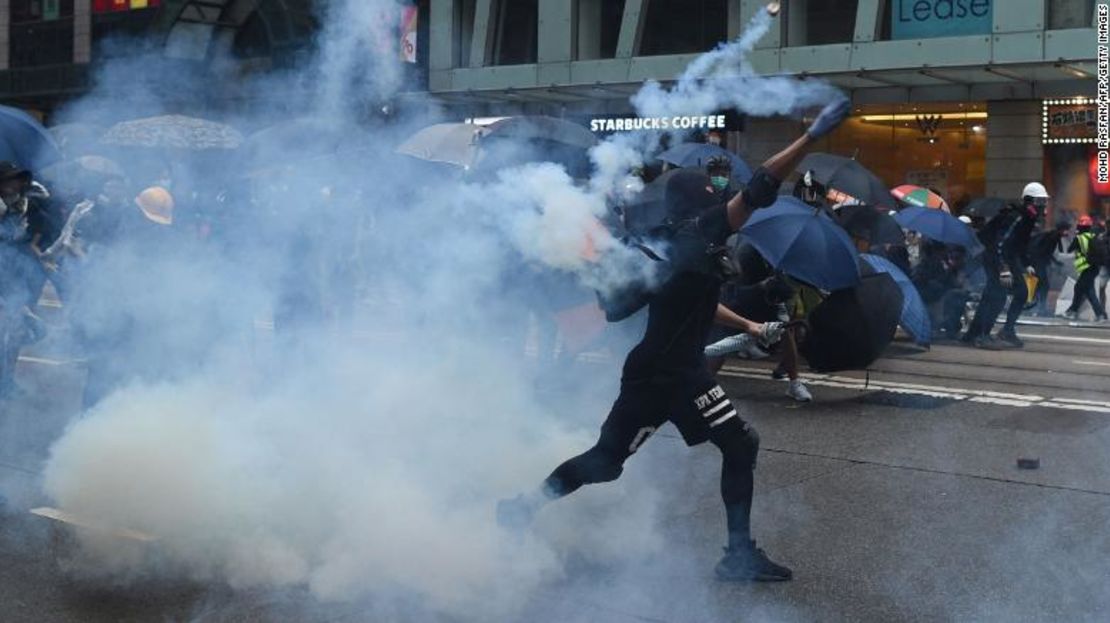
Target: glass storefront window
820,22
517,21
1070,14
939,145
684,26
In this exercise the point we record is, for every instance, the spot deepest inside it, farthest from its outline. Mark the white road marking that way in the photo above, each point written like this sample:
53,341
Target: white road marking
1065,338
1091,363
46,362
933,391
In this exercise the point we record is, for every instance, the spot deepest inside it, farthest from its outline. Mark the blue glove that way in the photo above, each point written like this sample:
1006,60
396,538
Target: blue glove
831,116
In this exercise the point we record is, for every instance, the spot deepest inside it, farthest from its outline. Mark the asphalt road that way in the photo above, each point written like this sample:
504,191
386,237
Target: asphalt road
895,496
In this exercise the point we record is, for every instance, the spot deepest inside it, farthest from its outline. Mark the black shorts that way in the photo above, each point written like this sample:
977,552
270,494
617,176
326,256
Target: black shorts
693,402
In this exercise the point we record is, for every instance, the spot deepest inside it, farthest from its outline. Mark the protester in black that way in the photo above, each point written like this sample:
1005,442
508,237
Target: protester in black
1005,240
938,278
665,376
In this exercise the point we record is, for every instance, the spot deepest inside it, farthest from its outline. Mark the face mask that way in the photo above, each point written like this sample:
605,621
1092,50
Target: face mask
719,182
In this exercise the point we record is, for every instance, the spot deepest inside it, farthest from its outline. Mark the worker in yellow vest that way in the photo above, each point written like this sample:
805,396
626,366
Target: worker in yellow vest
1086,247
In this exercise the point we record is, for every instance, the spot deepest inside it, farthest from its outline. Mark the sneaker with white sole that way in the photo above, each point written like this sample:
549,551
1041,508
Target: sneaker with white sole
798,391
771,333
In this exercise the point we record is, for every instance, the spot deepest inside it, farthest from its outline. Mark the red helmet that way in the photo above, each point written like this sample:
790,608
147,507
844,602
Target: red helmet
1085,221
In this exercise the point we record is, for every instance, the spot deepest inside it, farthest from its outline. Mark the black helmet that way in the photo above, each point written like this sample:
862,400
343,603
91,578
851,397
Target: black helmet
718,163
9,170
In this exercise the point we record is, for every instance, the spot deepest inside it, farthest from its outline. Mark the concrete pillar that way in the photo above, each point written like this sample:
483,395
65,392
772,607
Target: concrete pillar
763,138
588,37
5,33
555,37
1015,155
82,31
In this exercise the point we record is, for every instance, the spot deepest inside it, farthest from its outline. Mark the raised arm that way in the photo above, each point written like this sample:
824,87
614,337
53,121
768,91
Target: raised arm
764,186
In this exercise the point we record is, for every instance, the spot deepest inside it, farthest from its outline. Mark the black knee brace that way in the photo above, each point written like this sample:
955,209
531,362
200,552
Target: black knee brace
739,445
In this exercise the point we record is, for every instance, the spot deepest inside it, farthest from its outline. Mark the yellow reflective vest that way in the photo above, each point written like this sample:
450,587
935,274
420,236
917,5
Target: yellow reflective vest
1083,242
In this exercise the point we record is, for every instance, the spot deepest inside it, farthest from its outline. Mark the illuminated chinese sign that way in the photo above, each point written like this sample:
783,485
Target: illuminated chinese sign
1069,121
112,6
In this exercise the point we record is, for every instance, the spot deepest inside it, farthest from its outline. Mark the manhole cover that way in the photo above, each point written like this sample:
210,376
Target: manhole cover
905,401
1052,421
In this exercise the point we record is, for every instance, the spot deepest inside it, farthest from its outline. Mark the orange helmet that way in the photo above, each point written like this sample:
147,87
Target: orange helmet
157,205
1085,221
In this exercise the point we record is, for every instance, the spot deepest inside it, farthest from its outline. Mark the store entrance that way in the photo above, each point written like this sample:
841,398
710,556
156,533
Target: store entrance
942,146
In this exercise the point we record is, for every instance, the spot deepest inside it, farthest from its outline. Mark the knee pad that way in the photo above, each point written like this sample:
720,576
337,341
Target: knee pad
741,445
601,465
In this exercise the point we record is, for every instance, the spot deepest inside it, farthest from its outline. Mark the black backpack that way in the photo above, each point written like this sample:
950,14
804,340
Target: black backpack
1098,253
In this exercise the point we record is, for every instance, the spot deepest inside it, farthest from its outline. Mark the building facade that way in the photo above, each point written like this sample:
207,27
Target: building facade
947,93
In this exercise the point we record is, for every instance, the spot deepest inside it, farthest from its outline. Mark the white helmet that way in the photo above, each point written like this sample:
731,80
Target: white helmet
1035,190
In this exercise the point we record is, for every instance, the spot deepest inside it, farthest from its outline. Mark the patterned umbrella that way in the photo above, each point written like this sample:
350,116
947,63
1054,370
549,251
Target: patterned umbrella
173,132
920,197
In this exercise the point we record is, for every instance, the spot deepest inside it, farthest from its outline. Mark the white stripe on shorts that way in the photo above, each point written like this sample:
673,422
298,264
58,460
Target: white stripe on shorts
724,417
717,407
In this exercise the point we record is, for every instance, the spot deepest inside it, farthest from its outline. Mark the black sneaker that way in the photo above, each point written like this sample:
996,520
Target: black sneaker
986,342
515,514
1009,338
779,373
750,564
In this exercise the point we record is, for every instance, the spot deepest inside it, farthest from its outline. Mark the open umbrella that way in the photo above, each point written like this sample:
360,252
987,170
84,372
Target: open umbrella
849,177
699,154
77,139
173,132
985,207
541,128
451,143
293,140
805,243
675,192
850,329
96,165
920,197
939,226
24,141
867,223
915,317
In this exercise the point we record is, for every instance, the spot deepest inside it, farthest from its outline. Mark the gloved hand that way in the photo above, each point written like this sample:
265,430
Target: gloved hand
831,116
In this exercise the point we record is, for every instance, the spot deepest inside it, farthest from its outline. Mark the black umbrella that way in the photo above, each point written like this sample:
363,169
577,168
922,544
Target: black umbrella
675,193
849,177
873,225
850,329
985,208
291,141
540,128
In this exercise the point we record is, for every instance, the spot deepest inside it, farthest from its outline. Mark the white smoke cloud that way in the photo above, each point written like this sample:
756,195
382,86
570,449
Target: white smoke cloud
369,467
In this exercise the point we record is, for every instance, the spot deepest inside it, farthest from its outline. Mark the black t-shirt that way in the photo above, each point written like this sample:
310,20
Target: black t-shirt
680,313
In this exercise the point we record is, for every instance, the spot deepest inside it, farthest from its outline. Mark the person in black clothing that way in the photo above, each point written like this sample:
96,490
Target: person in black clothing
23,274
665,376
1042,250
938,280
1005,240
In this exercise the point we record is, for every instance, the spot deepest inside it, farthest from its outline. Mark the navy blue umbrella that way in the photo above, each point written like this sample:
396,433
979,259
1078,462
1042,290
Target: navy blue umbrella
699,154
940,226
805,243
915,318
24,141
